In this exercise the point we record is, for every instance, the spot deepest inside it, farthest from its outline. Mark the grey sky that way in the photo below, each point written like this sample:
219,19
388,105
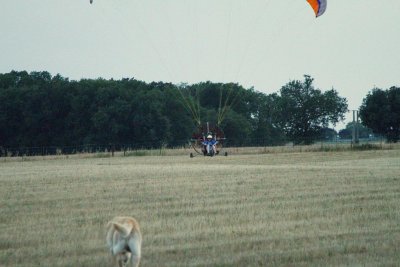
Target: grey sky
353,47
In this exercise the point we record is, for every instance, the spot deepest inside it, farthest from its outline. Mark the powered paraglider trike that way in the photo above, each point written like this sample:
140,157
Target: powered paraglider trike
208,140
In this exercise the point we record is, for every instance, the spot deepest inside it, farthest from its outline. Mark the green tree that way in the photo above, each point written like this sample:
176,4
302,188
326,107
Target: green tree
380,111
237,129
305,111
261,113
181,123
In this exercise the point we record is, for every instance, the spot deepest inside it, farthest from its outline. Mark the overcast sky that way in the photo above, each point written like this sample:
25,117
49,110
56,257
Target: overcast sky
353,47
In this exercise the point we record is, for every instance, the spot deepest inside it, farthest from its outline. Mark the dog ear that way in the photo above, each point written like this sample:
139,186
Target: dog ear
125,230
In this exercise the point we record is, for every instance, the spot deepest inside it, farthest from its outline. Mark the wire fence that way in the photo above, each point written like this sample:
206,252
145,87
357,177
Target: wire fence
126,149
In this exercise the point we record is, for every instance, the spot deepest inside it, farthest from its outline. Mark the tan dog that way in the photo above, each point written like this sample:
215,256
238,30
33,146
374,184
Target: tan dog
124,240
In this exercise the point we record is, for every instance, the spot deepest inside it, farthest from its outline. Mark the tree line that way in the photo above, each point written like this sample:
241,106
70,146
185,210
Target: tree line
38,109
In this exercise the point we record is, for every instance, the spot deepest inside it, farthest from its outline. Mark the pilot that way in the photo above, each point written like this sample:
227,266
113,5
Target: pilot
210,145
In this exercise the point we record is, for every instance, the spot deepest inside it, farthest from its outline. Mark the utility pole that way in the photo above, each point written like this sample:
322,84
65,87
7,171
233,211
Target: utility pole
357,128
355,139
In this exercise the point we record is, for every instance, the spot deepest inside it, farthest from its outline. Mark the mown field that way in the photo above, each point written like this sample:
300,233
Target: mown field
274,209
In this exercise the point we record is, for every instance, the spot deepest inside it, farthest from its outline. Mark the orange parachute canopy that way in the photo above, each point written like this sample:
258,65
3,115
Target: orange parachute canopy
319,6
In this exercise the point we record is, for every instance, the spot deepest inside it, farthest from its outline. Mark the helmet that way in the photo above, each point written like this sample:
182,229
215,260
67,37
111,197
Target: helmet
209,136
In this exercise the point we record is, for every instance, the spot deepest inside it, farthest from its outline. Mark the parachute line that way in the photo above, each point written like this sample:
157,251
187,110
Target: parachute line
190,106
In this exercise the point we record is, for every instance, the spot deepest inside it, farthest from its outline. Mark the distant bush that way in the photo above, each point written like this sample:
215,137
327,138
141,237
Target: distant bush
137,153
367,147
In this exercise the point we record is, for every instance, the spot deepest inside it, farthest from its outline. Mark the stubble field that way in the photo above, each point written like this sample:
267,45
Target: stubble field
290,209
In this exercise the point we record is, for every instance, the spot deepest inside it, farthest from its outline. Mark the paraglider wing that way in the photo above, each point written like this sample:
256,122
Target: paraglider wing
319,6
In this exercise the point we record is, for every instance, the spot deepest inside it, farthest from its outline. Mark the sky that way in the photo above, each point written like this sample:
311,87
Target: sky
353,47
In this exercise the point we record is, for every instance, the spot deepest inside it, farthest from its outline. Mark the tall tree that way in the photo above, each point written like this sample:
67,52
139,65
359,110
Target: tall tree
380,111
305,111
261,113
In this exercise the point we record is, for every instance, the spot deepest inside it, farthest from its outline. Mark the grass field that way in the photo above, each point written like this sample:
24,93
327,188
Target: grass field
273,209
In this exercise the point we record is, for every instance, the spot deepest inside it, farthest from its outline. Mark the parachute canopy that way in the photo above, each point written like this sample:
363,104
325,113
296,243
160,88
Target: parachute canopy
319,6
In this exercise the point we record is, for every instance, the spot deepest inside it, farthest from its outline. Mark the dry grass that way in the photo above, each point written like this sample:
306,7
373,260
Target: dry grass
290,148
302,209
